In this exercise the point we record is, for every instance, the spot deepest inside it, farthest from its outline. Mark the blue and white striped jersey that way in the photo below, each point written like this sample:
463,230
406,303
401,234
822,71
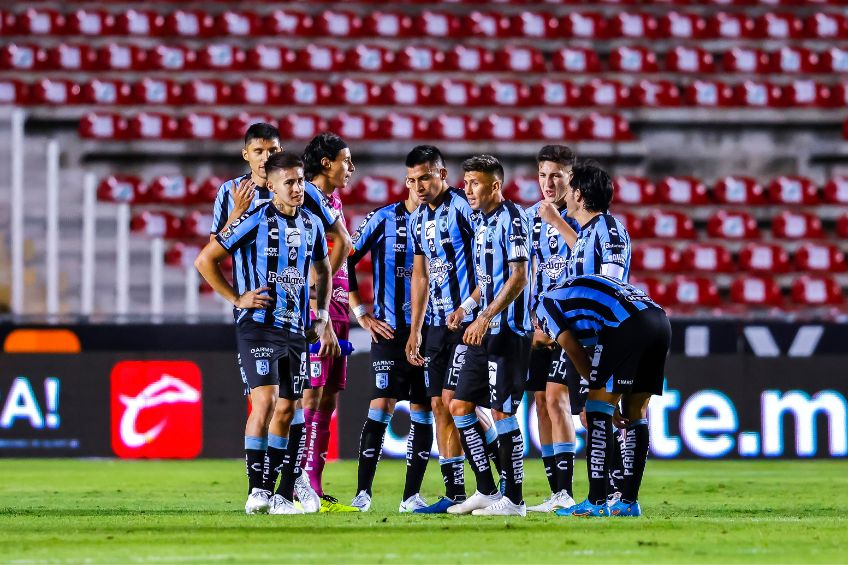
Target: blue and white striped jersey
445,236
277,252
502,237
548,250
386,235
587,304
603,248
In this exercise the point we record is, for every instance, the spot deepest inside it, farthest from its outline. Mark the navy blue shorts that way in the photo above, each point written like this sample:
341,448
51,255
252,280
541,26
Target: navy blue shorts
554,366
272,356
494,373
393,376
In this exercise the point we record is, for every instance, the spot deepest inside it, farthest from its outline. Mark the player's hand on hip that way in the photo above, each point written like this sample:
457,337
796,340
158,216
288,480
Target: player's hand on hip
475,332
314,332
455,318
243,195
329,342
254,299
375,327
413,346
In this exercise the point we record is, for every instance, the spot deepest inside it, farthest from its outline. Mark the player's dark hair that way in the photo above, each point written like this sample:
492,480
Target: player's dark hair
425,155
484,164
556,154
594,184
261,130
281,161
325,144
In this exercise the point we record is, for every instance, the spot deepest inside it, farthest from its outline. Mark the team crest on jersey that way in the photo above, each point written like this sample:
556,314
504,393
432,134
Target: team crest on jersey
439,270
553,243
226,233
554,266
263,367
290,279
443,224
293,238
382,380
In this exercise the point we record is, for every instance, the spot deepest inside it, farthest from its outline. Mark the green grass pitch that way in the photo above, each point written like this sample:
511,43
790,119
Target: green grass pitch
173,512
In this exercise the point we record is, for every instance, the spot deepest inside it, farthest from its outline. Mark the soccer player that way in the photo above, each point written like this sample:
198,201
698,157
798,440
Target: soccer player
498,341
552,377
243,194
442,282
628,337
386,234
280,242
328,167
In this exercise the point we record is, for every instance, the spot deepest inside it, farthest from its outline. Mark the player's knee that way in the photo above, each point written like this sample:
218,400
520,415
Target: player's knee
460,408
385,404
558,405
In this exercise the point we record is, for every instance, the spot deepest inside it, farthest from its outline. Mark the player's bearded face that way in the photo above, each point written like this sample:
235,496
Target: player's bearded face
425,181
553,181
256,153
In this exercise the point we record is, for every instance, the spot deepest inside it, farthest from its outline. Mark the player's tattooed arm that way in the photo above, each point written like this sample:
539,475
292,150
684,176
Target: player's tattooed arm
322,327
576,353
511,290
208,264
419,292
550,215
342,245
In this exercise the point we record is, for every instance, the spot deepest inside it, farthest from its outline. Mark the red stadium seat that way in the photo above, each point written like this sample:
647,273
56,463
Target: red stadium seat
842,226
679,25
371,58
169,189
630,59
793,225
405,93
552,127
747,60
157,224
836,190
816,291
256,92
779,26
554,93
806,92
150,125
305,92
739,190
682,190
387,24
468,58
658,258
356,93
708,258
117,57
238,24
634,190
792,59
301,126
157,92
196,224
709,94
764,258
816,257
502,128
632,223
730,25
692,292
732,225
605,128
206,92
668,225
455,128
486,24
221,57
288,23
576,60
354,126
376,190
177,58
182,255
39,22
120,189
436,24
421,58
755,291
402,126
320,58
19,57
583,25
135,22
70,57
834,60
102,126
685,59
505,93
649,93
14,92
89,22
793,190
523,189
332,23
234,128
107,92
186,23
55,92
652,287
454,93
633,25
536,25
826,25
520,59
269,58
603,92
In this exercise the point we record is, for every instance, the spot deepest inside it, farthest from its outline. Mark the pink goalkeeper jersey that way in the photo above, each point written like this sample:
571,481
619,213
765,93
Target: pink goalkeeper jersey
338,301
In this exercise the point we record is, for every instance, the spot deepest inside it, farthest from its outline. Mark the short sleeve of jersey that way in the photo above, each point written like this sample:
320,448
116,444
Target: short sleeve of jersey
367,234
241,231
465,215
221,210
414,220
315,201
319,249
517,237
613,243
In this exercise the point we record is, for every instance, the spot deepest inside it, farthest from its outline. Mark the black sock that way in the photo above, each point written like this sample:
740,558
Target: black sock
370,447
418,446
291,462
564,466
634,456
453,474
254,461
511,452
473,440
599,447
549,461
492,450
274,457
615,475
